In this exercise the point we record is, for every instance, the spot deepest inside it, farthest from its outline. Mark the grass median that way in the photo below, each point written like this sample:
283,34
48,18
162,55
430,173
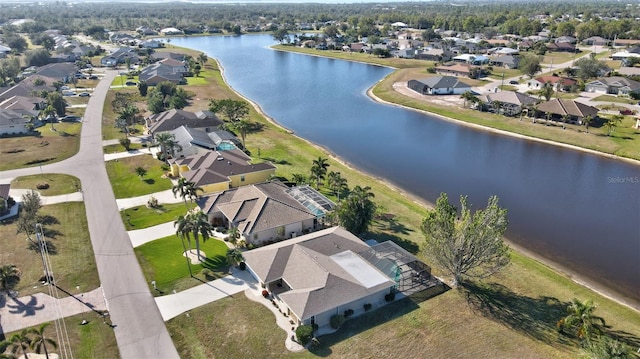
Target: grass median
57,183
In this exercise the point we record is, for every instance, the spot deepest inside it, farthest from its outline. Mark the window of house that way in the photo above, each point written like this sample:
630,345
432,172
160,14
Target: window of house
241,178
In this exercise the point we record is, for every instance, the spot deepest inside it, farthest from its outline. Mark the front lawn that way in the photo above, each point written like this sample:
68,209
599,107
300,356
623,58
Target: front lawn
70,249
143,217
610,98
47,146
93,340
119,148
162,260
127,184
58,183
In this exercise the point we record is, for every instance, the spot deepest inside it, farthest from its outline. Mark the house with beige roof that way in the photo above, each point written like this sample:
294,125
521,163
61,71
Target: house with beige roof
267,212
508,103
217,171
567,110
328,272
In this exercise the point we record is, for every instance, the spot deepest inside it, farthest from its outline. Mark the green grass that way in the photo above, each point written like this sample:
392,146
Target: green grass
58,183
93,340
507,88
72,258
198,81
143,217
609,98
127,184
162,260
508,73
48,146
119,148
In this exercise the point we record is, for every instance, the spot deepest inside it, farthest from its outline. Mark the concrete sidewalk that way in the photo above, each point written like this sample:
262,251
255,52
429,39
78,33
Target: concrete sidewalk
118,155
28,311
141,236
173,305
162,197
17,193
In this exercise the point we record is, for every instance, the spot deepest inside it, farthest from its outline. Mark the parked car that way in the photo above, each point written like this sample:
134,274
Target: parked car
64,87
84,94
93,77
627,112
68,93
513,82
130,83
69,118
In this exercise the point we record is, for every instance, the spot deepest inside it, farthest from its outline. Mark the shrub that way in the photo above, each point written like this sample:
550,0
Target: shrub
314,326
367,307
336,321
265,293
304,333
242,266
390,297
206,273
348,313
42,185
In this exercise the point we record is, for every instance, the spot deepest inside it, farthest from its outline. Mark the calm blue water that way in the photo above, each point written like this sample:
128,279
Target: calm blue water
579,210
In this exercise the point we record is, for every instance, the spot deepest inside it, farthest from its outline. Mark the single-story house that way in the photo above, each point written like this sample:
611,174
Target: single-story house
472,59
329,272
171,31
12,123
119,56
435,55
4,50
267,212
217,171
151,44
623,55
439,85
58,71
564,83
171,119
455,70
506,61
566,39
28,107
508,103
629,71
614,85
167,69
561,46
193,141
559,108
595,41
24,88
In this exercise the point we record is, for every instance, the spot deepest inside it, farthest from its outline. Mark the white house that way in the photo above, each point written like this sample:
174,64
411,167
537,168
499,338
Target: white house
12,123
439,85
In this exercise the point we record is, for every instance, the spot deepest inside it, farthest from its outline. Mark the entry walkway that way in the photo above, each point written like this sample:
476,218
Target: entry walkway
141,236
31,310
173,305
162,197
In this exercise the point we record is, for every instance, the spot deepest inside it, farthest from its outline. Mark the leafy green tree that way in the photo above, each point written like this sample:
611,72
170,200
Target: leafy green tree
38,57
331,31
121,101
155,102
186,189
143,88
126,143
233,110
28,218
589,67
471,246
141,172
581,321
281,35
55,100
9,277
39,341
469,97
546,91
319,170
612,122
243,127
356,212
530,64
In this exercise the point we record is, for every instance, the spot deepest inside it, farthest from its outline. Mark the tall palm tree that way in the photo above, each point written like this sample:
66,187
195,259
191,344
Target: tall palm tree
234,256
9,275
468,97
546,91
319,170
19,342
197,223
234,235
49,113
356,212
186,189
336,183
242,126
39,341
298,179
127,117
612,123
184,232
587,120
581,320
203,58
168,144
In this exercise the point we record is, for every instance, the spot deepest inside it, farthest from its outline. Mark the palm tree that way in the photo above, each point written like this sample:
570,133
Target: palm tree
581,320
243,126
39,341
319,170
234,235
184,232
203,58
468,97
168,144
9,275
19,342
612,123
186,189
141,172
546,91
337,183
127,117
356,212
49,113
234,256
298,178
198,224
587,120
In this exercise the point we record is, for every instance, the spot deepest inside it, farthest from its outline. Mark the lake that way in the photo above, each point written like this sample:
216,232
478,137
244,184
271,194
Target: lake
576,209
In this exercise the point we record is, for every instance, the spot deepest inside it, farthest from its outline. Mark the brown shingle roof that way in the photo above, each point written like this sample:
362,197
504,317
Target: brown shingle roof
564,107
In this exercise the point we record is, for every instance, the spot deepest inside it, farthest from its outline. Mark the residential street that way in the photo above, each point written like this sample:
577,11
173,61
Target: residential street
139,328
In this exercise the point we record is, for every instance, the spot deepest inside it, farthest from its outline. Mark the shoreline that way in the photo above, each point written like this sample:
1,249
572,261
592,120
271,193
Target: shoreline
556,267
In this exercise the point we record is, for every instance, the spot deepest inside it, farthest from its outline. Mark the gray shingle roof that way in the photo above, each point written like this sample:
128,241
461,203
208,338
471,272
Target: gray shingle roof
443,82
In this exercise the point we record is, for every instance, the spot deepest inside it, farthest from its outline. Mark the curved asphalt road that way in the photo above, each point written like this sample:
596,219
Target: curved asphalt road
139,328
